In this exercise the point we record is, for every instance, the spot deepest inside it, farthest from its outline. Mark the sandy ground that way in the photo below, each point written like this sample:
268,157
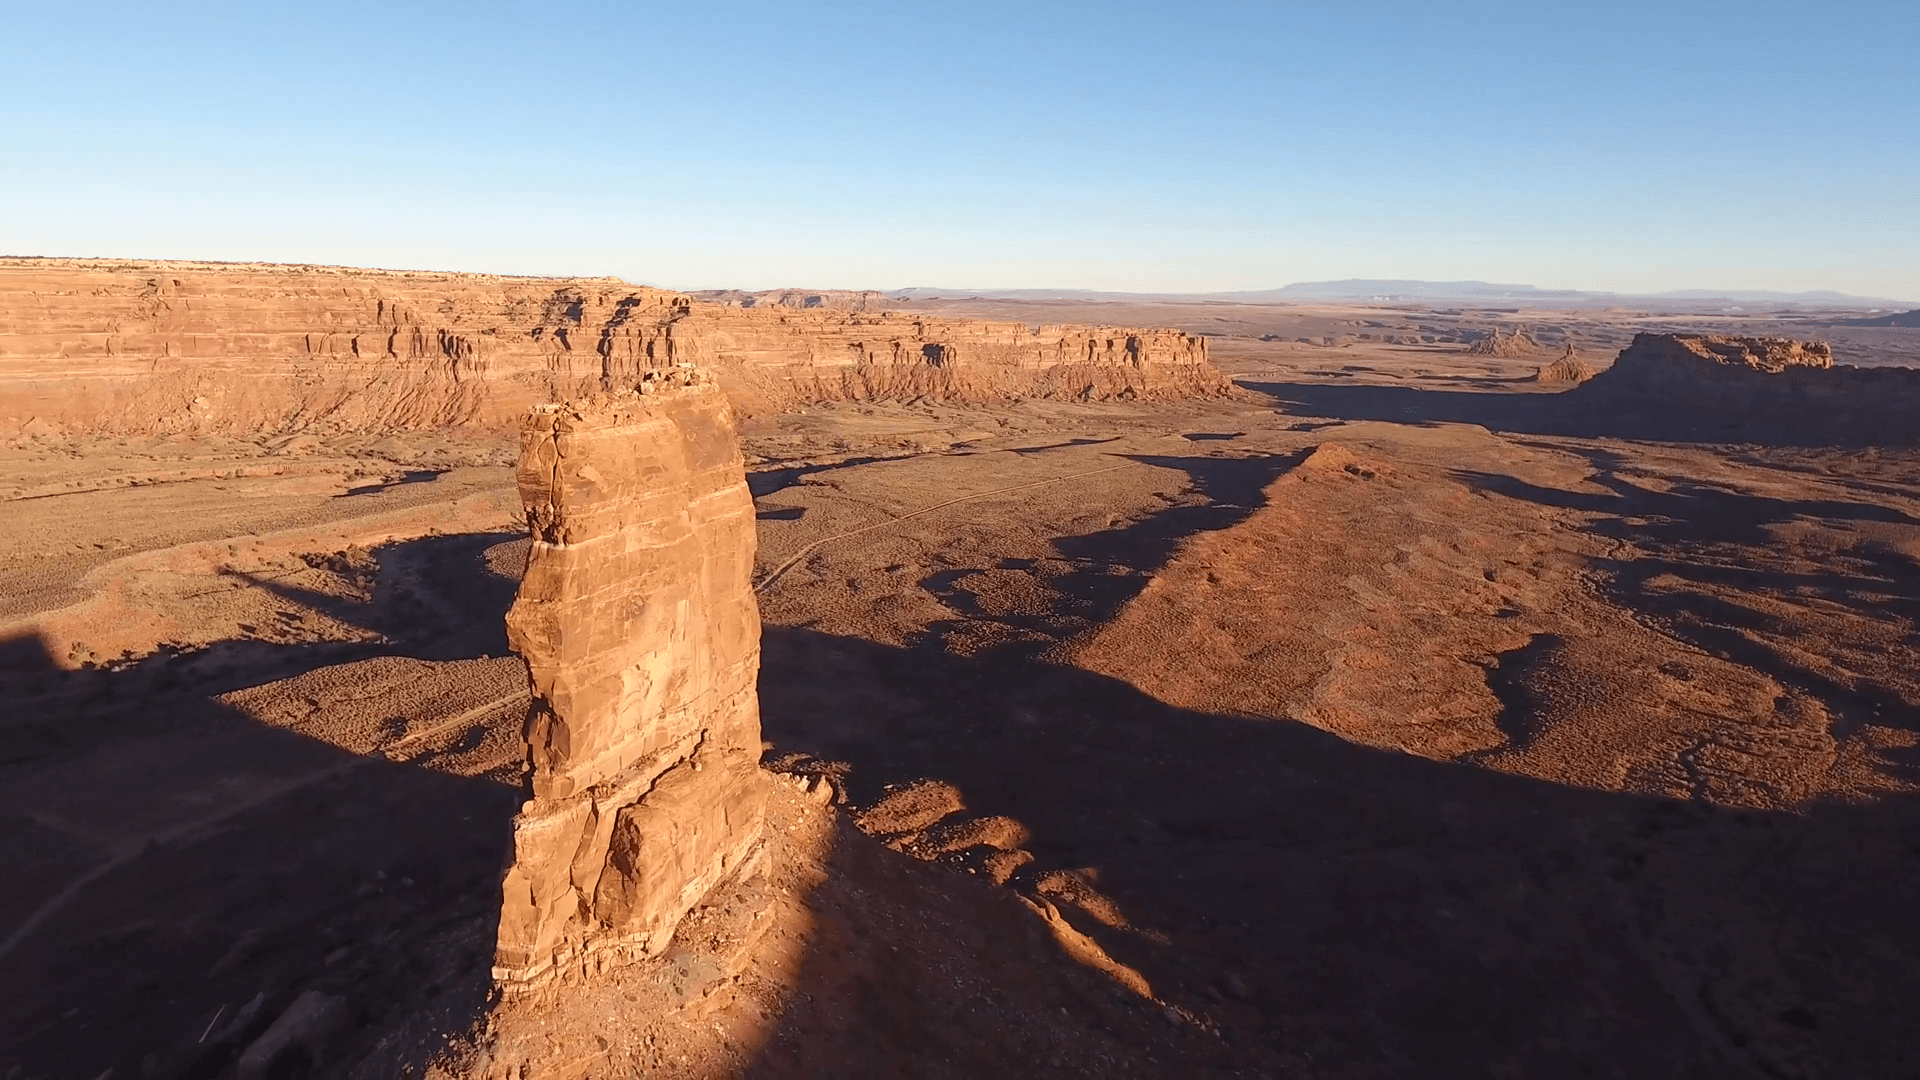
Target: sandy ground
1394,720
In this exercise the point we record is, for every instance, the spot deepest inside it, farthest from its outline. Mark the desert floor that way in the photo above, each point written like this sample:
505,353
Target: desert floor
1394,720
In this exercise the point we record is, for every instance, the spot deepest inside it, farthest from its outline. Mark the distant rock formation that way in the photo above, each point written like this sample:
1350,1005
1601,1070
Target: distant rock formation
770,359
121,347
641,634
1506,346
1759,387
797,299
1909,319
1710,364
1567,369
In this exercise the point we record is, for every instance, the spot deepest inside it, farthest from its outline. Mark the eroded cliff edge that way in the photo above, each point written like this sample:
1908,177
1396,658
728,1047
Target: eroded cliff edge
127,347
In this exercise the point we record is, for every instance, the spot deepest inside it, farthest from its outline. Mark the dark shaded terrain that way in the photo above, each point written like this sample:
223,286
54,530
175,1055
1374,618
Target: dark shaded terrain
257,817
1759,580
1329,909
185,864
1591,411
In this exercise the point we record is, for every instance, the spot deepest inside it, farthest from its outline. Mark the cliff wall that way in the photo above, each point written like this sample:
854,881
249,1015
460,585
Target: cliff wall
123,347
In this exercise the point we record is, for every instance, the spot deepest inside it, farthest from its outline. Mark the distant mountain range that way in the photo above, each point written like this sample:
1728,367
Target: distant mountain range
1384,290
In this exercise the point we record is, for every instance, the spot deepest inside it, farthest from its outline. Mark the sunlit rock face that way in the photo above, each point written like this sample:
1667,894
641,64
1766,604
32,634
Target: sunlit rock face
638,624
120,347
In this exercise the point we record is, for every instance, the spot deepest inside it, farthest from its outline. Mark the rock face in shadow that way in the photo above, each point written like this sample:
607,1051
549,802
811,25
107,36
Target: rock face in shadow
641,634
1763,382
120,347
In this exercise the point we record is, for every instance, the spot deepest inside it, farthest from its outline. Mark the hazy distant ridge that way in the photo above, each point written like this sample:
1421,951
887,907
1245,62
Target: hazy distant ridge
1390,290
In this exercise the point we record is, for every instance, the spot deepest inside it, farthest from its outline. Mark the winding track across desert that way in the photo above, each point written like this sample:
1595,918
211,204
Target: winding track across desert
1398,713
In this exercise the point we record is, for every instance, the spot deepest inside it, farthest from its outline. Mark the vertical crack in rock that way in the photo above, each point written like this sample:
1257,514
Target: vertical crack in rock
642,638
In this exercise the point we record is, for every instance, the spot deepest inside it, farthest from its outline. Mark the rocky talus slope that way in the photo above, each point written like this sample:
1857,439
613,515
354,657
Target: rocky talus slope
123,347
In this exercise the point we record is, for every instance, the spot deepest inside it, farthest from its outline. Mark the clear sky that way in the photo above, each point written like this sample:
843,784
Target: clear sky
1187,146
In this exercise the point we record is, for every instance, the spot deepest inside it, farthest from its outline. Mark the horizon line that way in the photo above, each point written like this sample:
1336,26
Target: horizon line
1085,292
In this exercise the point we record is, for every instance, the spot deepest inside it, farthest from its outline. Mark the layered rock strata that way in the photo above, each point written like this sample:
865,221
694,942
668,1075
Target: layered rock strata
1761,387
779,358
119,347
638,623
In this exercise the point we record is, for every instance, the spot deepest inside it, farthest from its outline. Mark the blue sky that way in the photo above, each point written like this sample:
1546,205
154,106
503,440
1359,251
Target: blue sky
1175,146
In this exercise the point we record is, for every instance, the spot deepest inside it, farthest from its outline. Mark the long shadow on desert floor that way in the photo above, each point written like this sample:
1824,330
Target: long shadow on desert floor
1575,412
1372,913
1227,895
1820,593
1291,903
193,840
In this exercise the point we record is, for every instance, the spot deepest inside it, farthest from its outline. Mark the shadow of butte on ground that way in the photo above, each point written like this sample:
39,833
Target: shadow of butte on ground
1578,412
1313,898
186,864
